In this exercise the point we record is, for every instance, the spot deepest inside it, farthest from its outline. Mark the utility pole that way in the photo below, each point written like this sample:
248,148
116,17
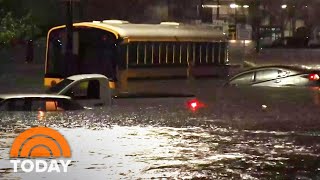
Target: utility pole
218,9
200,10
69,28
69,61
282,23
256,20
293,17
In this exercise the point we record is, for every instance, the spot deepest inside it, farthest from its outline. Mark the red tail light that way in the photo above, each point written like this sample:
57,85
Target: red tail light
314,77
194,104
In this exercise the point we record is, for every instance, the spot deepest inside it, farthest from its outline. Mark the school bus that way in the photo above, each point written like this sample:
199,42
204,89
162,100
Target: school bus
124,51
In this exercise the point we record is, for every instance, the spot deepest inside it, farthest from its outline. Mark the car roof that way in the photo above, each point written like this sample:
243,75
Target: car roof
294,68
11,96
85,76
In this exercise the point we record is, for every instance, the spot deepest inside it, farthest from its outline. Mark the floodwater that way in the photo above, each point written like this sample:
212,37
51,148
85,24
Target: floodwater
239,133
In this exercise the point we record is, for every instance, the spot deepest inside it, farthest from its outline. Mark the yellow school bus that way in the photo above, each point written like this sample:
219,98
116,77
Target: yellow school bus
123,51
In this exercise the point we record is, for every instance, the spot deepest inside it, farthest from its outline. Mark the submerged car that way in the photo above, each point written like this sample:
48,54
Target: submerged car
276,76
37,102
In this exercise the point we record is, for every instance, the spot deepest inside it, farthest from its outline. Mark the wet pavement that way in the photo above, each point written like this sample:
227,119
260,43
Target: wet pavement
240,133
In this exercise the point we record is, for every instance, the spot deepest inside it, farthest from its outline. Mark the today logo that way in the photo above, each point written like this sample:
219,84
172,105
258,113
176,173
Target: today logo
40,142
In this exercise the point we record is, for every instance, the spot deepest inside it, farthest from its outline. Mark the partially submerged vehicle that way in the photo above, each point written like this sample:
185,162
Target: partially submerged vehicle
83,91
276,76
92,90
87,89
37,102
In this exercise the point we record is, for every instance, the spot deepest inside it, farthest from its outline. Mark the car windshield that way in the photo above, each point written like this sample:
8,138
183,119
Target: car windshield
58,87
39,104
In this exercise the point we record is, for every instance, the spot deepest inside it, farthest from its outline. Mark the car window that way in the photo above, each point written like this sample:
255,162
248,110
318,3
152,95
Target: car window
39,104
269,74
16,104
265,75
42,104
85,90
243,79
68,104
79,90
59,104
58,87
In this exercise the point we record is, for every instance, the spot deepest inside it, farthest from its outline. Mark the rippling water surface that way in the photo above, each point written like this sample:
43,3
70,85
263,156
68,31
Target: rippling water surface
239,134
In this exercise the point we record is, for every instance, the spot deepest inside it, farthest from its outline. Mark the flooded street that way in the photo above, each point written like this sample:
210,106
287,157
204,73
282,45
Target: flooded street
205,89
240,133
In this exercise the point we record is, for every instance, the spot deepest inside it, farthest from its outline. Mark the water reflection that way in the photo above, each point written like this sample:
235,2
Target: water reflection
105,150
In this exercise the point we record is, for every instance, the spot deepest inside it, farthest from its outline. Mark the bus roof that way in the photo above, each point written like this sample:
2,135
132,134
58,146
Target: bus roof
157,32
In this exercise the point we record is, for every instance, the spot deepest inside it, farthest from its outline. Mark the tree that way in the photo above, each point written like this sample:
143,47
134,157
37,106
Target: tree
13,28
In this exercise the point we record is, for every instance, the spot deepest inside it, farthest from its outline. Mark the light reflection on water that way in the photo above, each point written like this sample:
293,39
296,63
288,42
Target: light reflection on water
106,150
231,138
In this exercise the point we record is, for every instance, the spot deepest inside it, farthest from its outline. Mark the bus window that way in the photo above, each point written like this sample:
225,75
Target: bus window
185,53
98,52
155,50
223,54
131,53
216,55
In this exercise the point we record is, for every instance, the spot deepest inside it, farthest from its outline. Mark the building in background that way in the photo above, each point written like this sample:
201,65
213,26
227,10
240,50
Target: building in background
270,19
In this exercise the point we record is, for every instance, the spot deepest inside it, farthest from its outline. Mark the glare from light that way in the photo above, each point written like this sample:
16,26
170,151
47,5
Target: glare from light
210,6
170,23
115,21
284,6
264,107
233,41
41,115
314,77
194,104
245,6
233,6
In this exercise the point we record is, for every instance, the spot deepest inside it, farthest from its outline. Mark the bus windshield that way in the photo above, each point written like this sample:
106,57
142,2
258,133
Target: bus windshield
93,51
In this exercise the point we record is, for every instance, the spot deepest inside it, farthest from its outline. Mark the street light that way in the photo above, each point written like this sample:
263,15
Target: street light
284,7
245,6
234,6
210,6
